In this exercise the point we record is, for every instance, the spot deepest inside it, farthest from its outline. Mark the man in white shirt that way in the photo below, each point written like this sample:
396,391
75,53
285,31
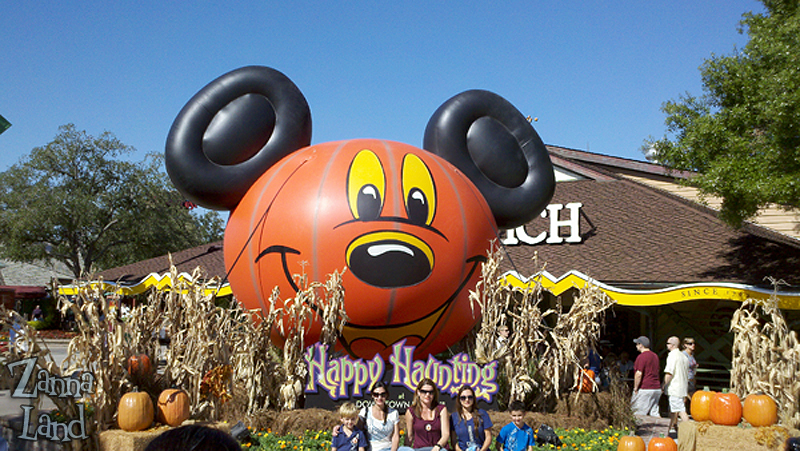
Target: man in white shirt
676,383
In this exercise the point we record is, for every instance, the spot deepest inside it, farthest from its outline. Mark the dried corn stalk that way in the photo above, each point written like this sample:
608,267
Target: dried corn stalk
213,352
98,348
539,360
493,297
314,300
766,357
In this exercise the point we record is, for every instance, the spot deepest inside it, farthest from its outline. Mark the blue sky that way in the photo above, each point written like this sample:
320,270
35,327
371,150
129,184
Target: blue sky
594,73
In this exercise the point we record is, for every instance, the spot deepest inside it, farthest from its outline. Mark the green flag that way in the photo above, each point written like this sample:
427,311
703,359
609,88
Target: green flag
4,124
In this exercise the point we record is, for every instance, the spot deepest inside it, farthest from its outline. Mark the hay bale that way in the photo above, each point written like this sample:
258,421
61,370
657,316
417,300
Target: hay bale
595,409
711,437
298,421
117,439
687,436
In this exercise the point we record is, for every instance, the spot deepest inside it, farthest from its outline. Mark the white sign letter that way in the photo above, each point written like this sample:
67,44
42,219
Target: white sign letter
573,223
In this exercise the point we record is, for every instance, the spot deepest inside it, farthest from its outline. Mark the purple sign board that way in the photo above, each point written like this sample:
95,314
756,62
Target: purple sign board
333,379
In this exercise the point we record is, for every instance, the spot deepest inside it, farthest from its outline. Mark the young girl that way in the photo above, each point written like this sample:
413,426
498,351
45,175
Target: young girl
471,426
427,425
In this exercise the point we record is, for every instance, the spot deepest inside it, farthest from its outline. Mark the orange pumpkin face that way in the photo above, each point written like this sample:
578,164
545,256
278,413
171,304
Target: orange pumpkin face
726,409
409,229
760,410
407,226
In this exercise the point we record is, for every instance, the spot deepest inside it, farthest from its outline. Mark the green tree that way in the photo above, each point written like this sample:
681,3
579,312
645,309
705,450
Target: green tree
742,135
76,200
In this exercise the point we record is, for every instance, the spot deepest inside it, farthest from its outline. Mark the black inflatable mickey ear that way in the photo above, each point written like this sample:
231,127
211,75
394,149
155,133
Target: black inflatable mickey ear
492,143
232,131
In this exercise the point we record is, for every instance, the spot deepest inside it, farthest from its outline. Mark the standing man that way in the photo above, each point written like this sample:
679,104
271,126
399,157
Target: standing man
676,383
646,385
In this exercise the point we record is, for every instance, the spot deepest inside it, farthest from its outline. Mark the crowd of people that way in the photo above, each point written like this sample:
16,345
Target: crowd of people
429,425
679,382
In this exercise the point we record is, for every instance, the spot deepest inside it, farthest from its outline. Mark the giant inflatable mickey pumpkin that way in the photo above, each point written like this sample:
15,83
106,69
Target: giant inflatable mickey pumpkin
411,226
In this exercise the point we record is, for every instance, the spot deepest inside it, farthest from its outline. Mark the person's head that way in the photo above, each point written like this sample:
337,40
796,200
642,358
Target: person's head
624,356
689,344
503,331
379,392
673,343
517,411
194,437
465,401
642,343
348,414
426,394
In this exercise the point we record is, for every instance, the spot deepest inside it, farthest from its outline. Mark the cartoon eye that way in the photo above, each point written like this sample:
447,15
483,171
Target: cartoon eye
366,186
419,191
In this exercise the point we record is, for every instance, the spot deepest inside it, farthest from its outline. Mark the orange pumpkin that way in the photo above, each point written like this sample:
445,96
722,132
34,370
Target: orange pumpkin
701,404
760,410
409,226
135,411
726,409
139,366
631,443
587,381
173,407
406,224
662,444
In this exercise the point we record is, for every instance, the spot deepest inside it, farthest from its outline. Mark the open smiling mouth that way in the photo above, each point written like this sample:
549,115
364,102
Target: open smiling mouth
383,336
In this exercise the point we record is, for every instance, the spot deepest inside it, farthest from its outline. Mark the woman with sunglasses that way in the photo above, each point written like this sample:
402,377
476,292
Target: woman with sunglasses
381,421
427,425
472,426
688,350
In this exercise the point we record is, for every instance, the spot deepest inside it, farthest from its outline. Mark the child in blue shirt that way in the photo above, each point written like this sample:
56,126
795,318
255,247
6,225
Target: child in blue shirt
516,436
349,437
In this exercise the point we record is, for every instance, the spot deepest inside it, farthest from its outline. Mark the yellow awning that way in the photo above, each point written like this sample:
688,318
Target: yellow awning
662,296
153,280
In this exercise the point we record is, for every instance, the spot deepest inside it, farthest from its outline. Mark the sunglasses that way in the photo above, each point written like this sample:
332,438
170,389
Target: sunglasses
466,397
689,343
379,394
426,392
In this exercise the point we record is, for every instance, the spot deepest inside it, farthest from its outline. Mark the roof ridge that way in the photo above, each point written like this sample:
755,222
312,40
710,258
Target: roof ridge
619,162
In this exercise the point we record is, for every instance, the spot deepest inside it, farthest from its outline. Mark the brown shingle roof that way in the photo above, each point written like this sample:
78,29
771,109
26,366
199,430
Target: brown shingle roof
634,234
209,257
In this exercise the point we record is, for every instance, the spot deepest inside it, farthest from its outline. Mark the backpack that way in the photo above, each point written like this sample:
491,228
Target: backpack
547,436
